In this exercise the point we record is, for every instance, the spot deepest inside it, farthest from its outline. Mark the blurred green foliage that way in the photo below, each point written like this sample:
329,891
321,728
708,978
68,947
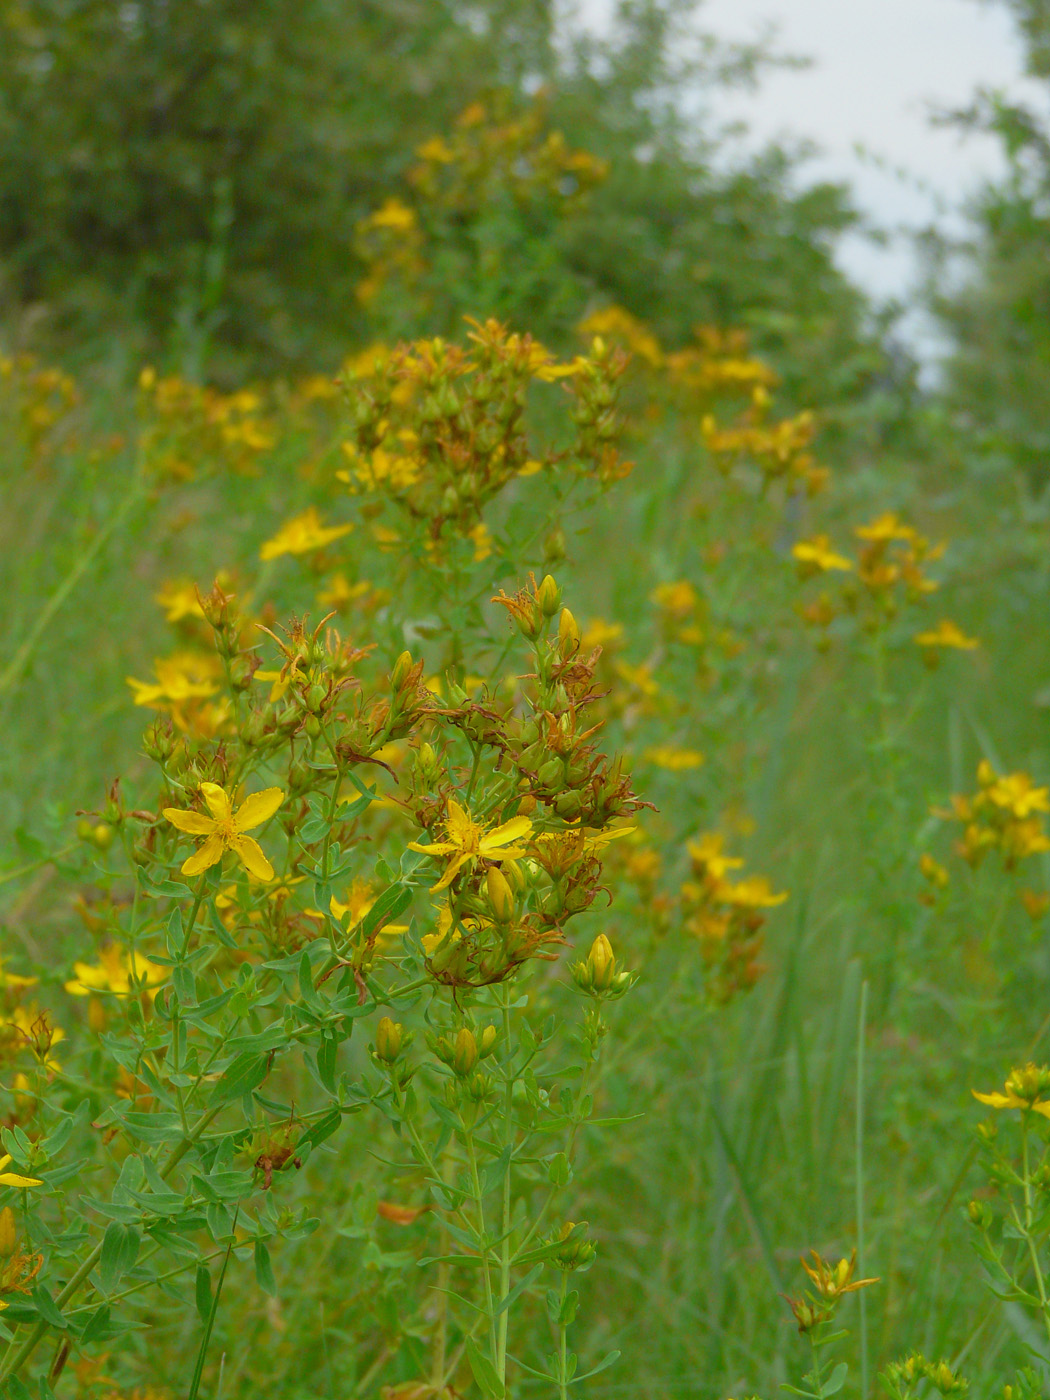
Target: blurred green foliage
190,177
997,313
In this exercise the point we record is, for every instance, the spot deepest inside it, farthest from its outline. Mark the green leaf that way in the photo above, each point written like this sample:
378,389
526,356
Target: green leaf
602,1365
120,1247
518,1289
393,901
202,1292
835,1381
326,1056
96,1327
246,1073
264,1269
559,1172
47,1308
322,1129
485,1373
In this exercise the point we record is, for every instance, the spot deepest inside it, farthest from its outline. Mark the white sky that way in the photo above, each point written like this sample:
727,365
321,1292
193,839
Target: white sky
878,67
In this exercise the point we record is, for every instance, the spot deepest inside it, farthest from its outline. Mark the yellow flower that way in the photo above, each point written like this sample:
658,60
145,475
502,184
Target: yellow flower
817,554
359,900
677,599
436,151
179,600
225,829
118,971
674,760
467,841
752,893
706,851
12,1178
947,634
1015,793
392,214
832,1280
1023,1087
302,535
481,536
886,527
183,676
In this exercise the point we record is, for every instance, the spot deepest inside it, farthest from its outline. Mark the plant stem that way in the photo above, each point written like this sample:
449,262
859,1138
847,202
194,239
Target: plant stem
13,670
859,1184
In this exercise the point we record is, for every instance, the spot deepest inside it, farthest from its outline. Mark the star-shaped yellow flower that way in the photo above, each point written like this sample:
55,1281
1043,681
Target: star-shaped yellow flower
303,534
817,555
1023,1087
947,634
118,970
225,829
467,840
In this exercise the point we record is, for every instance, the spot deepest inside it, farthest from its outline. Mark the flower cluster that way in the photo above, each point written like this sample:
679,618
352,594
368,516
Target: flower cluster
1005,814
726,916
190,427
887,572
441,430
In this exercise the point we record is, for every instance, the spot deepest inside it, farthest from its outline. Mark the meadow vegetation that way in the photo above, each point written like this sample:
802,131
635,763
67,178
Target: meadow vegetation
524,820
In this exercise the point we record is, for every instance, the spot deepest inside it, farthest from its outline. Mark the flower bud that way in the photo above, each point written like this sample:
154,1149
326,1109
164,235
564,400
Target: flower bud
501,896
548,596
554,548
602,963
487,1042
574,1252
551,773
8,1233
465,1052
427,764
400,672
568,635
389,1037
979,1214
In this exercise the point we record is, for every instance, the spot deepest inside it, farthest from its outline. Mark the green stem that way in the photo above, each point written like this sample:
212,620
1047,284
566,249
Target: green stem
483,1244
505,1222
563,1343
859,1186
13,670
14,1363
1033,1252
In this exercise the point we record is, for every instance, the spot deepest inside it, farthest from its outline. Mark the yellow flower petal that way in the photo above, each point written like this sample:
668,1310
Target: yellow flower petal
194,822
251,855
13,1179
258,808
209,854
439,848
217,802
451,872
998,1100
503,835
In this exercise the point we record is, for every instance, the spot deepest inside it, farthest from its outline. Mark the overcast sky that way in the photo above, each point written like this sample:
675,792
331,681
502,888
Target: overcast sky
878,67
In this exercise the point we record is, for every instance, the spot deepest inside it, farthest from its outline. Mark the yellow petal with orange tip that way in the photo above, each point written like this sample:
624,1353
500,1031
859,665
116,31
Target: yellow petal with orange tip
252,857
258,808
